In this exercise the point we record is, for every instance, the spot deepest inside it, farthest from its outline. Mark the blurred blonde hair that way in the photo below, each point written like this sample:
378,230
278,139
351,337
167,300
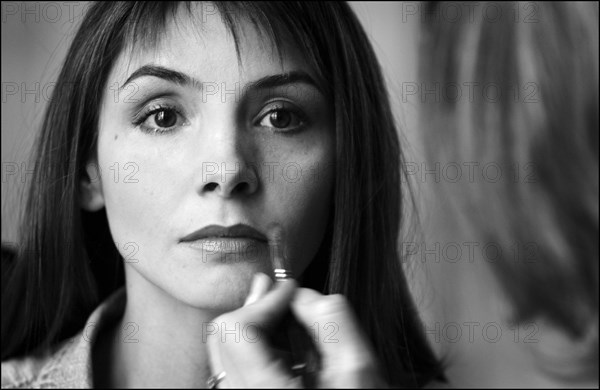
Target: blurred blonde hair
540,129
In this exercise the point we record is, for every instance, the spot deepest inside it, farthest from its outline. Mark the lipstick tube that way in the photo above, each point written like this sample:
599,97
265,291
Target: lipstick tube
291,338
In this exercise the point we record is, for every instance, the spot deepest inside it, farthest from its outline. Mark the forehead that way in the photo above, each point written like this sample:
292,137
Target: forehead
202,46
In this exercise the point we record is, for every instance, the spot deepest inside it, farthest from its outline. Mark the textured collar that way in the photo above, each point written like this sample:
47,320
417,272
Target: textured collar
69,364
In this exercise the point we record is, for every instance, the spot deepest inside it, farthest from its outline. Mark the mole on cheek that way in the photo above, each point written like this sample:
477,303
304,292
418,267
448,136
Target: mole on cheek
116,136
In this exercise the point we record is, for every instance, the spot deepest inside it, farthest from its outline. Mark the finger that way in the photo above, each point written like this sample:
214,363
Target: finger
260,286
251,320
251,364
246,356
335,329
269,308
248,360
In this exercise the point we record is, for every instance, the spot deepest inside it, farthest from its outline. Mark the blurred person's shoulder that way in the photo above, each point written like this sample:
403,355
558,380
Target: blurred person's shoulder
69,363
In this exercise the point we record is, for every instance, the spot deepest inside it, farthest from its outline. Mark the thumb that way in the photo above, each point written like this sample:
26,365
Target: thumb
260,285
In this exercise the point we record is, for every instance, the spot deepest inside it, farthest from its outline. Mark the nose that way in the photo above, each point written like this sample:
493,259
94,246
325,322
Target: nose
225,169
229,178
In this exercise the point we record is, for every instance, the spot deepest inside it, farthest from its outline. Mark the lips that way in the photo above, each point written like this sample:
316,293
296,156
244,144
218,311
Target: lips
217,231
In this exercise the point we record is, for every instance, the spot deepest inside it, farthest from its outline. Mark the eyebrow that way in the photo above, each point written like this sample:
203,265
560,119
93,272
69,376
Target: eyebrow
185,80
169,75
283,79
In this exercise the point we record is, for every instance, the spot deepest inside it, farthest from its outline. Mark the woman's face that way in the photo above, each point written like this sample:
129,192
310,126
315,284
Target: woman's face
189,139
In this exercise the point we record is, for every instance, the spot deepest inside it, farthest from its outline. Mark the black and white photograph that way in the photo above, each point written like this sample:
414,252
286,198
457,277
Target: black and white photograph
293,194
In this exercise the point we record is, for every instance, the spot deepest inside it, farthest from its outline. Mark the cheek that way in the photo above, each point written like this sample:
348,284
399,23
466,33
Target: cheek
312,209
135,188
305,197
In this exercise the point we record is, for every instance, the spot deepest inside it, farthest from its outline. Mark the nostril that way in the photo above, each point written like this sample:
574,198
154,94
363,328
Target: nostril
210,186
242,188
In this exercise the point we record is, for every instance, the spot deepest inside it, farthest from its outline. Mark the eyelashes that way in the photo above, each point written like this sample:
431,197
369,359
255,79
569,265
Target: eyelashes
159,119
282,116
278,116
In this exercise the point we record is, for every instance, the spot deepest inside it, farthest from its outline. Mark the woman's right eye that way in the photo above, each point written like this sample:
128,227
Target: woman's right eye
165,118
159,119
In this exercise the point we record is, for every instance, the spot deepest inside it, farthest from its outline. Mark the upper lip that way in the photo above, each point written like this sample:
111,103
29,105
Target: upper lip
235,231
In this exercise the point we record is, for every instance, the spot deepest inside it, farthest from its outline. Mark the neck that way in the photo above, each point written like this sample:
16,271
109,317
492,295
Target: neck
159,342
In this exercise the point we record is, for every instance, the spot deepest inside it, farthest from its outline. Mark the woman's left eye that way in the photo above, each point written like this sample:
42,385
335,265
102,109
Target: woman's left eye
282,119
159,120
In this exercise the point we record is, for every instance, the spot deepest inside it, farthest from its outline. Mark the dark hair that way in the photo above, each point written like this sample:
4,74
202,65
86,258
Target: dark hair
55,286
546,120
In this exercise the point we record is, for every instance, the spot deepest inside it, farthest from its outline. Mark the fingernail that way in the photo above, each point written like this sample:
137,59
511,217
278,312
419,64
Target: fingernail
252,294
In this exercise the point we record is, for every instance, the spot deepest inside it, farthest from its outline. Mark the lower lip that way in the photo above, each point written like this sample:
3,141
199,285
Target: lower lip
236,245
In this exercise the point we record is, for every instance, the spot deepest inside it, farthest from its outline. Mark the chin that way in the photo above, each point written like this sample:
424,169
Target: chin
220,288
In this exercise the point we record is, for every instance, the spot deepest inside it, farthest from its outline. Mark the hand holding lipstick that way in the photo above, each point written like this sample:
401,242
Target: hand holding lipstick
347,359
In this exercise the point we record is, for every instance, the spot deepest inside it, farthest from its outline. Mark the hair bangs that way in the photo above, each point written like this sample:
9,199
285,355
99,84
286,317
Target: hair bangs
148,22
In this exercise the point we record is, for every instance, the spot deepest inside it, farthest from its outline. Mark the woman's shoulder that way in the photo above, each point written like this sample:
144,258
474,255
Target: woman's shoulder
69,363
41,369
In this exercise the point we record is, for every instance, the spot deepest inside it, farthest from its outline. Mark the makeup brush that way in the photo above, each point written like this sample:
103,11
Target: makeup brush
291,336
